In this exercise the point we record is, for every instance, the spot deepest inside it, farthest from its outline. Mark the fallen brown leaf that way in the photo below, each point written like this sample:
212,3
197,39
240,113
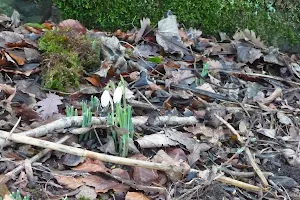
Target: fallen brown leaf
142,175
90,165
103,185
69,181
136,196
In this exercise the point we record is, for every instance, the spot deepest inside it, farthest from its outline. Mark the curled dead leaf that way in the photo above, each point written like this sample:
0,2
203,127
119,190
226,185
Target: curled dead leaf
73,24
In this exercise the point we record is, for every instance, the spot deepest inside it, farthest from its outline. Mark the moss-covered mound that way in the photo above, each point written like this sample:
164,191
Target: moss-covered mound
277,21
66,55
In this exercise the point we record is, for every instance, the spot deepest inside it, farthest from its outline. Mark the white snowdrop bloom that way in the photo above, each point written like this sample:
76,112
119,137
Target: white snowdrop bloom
118,95
105,98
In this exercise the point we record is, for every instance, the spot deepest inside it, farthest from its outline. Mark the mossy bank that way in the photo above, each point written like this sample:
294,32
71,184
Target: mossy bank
276,21
67,55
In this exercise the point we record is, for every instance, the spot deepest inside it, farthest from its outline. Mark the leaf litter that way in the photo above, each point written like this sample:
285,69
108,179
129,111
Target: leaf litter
212,119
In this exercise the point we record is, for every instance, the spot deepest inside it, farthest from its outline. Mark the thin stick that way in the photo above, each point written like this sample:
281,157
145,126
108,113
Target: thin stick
271,77
247,151
239,138
145,98
35,158
244,174
12,130
240,184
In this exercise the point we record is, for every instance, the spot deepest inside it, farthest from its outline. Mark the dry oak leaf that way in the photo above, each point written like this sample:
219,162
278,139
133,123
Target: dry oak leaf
249,36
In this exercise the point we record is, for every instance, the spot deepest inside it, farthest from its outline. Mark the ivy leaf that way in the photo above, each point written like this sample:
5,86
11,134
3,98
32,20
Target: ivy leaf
49,105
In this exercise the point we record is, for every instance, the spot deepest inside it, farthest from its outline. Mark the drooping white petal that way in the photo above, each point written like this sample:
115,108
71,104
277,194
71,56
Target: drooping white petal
105,98
117,95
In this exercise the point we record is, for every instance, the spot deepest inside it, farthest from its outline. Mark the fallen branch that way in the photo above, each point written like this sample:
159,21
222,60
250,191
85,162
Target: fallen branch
9,175
76,121
168,168
90,154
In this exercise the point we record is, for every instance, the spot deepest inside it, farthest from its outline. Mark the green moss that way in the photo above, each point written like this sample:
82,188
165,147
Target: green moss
273,20
53,42
64,73
66,55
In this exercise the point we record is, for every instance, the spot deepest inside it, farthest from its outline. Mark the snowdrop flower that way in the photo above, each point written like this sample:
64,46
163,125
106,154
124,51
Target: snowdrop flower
105,98
118,95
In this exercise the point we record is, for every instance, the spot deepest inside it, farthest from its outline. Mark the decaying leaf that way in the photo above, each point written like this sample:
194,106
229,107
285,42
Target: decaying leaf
291,157
145,50
86,192
145,23
177,154
49,105
271,133
195,154
90,165
168,36
247,54
120,173
155,140
162,157
69,181
142,175
184,76
136,196
72,160
249,35
284,119
73,25
15,19
183,138
102,185
8,36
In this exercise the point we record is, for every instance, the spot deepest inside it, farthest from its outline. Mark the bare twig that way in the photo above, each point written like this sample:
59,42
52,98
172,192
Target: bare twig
168,168
145,98
247,151
277,93
94,155
35,158
76,121
12,130
244,174
240,184
139,104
